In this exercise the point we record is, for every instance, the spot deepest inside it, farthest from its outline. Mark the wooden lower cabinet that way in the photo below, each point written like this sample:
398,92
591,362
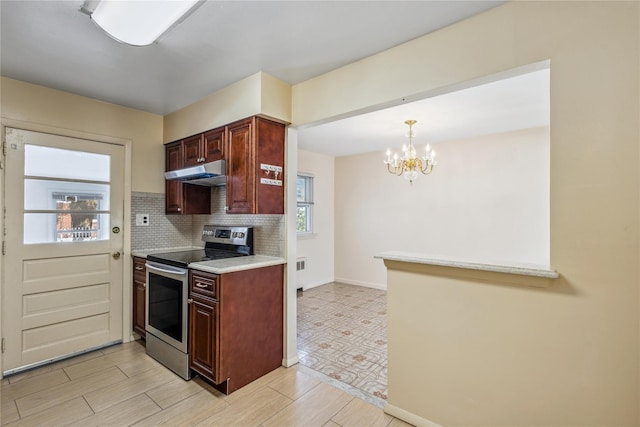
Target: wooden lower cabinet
238,336
203,336
139,295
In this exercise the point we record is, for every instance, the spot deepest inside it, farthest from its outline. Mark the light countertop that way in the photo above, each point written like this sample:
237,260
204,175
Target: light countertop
229,265
525,270
220,266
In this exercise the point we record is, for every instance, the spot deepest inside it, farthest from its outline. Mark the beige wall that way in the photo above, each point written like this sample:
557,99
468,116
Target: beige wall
44,106
486,201
319,247
463,351
259,93
43,109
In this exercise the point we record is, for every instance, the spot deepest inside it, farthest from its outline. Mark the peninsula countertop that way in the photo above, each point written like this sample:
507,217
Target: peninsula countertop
229,265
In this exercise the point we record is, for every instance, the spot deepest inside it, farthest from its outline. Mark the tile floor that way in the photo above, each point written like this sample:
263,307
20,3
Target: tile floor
122,386
342,333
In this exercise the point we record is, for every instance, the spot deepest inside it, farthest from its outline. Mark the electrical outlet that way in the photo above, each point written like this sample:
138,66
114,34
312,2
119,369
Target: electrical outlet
142,219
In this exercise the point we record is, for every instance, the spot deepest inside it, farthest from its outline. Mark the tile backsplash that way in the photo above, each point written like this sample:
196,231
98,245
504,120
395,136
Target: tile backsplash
167,231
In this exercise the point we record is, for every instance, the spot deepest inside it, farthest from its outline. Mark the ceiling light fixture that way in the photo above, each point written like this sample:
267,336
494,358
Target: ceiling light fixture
138,23
409,164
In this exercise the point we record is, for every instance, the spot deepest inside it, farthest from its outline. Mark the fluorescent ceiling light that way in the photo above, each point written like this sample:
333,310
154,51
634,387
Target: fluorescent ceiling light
140,23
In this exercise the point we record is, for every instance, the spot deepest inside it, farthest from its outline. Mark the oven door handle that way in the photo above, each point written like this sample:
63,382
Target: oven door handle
180,271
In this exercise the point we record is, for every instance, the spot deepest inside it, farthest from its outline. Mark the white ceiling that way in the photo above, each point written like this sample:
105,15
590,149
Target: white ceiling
504,105
52,44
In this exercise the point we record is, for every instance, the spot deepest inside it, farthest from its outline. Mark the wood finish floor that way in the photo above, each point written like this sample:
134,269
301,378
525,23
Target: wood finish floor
122,386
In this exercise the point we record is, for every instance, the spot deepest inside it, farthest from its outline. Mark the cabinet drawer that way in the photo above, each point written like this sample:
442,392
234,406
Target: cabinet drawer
204,284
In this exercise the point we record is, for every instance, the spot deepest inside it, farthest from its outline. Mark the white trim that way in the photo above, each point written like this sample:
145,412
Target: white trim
290,344
287,363
30,366
408,417
127,284
380,286
305,236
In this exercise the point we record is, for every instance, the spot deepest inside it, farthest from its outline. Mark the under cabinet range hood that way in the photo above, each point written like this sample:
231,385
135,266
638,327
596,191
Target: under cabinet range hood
208,174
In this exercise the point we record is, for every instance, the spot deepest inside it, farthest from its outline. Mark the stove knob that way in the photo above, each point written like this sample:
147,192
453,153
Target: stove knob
234,234
241,235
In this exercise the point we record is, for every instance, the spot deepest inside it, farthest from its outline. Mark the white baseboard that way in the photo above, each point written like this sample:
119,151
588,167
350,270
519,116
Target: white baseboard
287,363
380,286
314,285
408,417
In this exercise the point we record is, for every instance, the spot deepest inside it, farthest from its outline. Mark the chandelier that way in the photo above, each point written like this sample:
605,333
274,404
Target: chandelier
410,164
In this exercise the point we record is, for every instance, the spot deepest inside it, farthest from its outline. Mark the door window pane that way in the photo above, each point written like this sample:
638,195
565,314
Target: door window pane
65,227
70,164
41,194
62,200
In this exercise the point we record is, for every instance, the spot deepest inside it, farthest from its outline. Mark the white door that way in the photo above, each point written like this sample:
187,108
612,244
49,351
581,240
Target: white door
62,288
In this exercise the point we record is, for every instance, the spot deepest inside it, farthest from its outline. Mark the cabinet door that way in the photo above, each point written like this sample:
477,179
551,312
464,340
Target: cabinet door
139,296
139,308
173,189
213,144
202,337
269,150
240,167
192,149
173,197
173,156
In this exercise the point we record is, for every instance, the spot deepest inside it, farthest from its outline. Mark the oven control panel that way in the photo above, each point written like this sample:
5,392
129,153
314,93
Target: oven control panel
239,236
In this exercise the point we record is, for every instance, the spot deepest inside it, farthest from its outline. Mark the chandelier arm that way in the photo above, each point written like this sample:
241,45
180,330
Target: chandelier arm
409,163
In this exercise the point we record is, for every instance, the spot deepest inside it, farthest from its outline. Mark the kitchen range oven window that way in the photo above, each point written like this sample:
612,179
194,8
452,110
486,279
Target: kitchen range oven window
165,306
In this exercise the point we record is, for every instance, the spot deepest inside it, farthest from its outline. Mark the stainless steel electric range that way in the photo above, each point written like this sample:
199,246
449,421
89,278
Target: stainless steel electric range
167,309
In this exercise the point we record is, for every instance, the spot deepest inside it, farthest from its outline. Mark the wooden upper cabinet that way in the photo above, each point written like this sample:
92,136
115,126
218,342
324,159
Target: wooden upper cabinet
252,143
252,147
173,156
192,148
213,144
181,198
173,189
269,151
204,147
240,164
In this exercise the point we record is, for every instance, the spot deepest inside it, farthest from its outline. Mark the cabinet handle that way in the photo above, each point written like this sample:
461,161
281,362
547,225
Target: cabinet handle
201,285
201,160
139,267
144,285
189,301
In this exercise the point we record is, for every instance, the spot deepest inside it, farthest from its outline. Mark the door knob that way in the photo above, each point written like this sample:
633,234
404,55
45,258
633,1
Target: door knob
116,255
